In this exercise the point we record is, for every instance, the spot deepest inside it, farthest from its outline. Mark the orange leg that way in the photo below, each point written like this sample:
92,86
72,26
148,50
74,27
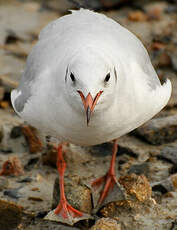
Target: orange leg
64,209
109,179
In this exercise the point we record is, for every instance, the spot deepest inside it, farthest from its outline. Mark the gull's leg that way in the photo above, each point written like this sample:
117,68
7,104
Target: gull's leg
64,212
64,209
109,179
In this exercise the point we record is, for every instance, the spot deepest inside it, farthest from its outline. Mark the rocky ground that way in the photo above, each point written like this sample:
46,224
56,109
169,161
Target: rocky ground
147,157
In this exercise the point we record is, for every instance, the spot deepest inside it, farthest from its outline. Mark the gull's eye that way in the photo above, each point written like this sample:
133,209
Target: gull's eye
107,77
72,77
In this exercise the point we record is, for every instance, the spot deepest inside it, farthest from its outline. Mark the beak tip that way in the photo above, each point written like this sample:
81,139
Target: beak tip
88,114
89,103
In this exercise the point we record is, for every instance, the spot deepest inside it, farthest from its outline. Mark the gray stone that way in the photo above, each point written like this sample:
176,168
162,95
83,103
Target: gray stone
140,169
167,185
159,130
169,153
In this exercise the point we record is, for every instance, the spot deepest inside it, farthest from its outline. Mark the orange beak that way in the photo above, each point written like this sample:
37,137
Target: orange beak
89,103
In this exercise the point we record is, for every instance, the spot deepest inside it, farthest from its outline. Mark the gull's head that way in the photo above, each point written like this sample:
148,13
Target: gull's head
90,83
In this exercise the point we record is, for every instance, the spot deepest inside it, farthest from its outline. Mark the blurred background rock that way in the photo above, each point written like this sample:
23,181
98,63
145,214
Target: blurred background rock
27,184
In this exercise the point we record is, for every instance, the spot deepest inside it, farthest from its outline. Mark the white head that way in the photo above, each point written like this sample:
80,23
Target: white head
90,82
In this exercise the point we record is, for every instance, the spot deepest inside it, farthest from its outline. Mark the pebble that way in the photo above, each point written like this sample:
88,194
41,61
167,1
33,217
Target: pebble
35,198
137,187
12,166
158,130
33,140
106,224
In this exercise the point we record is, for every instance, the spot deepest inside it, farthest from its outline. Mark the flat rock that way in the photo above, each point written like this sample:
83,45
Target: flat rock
159,130
169,153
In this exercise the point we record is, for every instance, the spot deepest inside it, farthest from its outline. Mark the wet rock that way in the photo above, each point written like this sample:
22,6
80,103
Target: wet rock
12,166
78,195
167,185
159,130
169,153
137,187
4,183
33,140
106,224
140,169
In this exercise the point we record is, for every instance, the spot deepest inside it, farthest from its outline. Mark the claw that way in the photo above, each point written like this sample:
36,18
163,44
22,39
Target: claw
65,213
106,188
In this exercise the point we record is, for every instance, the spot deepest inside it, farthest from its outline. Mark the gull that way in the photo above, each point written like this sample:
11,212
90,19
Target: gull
87,81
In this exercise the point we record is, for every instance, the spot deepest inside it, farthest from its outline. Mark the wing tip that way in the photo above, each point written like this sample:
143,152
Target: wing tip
14,95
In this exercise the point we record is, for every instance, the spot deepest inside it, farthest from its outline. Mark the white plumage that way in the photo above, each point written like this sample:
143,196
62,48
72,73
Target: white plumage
89,45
